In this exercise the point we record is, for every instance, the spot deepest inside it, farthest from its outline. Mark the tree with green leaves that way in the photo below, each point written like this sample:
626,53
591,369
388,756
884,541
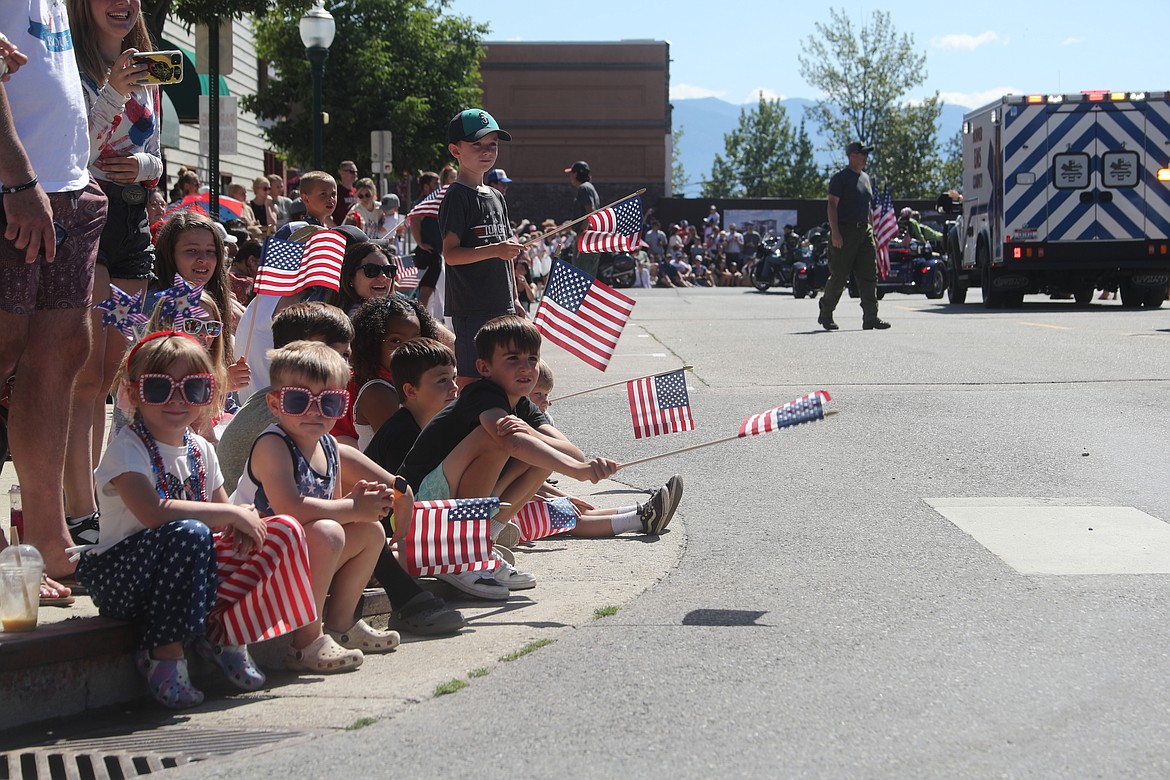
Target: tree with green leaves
155,12
759,156
863,74
679,179
399,65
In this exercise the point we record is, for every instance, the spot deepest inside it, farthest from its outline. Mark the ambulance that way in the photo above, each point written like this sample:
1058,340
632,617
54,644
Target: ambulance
1065,194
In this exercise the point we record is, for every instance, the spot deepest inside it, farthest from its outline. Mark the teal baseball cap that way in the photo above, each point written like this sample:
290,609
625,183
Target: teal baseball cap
473,124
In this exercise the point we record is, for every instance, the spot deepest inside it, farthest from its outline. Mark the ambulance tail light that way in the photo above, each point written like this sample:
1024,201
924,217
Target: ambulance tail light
1164,174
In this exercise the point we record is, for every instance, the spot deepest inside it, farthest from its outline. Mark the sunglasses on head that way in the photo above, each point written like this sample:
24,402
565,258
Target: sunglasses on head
211,327
297,400
158,389
373,270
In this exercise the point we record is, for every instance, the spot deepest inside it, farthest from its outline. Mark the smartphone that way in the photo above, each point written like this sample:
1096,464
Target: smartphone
165,67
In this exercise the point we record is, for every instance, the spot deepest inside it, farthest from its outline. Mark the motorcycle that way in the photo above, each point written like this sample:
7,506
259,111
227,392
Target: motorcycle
915,268
811,271
617,269
773,266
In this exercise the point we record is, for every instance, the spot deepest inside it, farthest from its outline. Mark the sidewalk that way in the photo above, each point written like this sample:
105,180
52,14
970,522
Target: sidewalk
576,577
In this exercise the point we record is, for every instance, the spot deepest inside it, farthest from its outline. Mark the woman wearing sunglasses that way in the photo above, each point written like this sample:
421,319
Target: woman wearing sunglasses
366,272
174,553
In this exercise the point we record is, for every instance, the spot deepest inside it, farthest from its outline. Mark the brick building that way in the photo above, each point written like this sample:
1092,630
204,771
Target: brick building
606,103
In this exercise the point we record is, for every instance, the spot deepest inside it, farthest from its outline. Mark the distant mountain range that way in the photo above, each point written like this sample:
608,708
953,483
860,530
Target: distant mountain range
706,120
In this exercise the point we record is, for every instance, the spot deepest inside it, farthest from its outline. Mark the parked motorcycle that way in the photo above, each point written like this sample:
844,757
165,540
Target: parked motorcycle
811,270
617,269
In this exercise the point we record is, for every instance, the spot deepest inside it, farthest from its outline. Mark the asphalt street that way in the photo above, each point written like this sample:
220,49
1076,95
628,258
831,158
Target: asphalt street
826,618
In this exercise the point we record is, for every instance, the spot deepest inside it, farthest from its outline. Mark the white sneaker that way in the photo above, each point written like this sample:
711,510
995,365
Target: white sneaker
511,577
480,584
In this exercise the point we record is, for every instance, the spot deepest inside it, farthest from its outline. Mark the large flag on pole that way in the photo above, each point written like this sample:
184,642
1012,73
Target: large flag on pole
803,410
885,227
615,229
582,315
447,537
659,404
288,267
538,519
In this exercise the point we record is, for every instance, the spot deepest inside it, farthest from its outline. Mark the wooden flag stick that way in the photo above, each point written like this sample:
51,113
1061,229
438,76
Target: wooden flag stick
566,225
614,384
828,413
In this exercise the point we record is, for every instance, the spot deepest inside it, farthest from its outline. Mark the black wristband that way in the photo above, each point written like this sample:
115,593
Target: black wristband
28,185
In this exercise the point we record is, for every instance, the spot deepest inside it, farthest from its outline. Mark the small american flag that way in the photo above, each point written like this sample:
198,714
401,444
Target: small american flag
805,409
287,267
885,227
407,276
429,206
582,315
538,519
659,404
616,229
447,537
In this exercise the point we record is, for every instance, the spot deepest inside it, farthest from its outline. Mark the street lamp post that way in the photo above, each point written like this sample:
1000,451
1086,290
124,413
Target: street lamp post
317,30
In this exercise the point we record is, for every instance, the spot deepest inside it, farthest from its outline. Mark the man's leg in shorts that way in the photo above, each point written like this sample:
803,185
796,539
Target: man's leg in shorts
55,348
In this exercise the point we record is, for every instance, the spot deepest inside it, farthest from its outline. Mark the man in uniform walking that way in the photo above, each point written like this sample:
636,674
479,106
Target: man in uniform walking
852,249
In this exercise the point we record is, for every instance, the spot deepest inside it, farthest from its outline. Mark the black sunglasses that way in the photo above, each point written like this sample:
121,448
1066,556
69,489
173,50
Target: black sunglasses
373,270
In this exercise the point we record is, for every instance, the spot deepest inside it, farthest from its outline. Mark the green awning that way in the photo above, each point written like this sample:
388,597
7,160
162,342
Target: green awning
185,95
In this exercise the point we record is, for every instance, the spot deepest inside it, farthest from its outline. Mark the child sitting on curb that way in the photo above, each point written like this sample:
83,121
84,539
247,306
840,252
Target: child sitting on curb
492,441
297,468
651,517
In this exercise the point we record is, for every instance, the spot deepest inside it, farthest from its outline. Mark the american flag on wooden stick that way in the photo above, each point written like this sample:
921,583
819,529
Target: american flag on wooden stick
659,404
803,410
538,519
447,537
615,229
582,315
288,267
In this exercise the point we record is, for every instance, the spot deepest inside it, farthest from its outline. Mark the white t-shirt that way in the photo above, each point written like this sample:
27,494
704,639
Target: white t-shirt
45,95
127,454
256,324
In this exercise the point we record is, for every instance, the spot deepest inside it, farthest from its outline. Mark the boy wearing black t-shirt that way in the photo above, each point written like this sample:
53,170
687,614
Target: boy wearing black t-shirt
492,441
478,246
424,376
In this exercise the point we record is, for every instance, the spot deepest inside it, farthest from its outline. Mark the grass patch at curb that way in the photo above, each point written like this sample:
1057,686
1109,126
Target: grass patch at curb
361,723
480,672
604,612
539,643
451,686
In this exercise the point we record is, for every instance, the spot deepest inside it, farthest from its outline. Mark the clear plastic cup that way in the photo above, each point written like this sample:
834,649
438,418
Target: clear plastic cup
21,567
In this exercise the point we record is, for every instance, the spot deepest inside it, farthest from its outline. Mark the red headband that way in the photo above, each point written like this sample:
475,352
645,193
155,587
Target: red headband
158,335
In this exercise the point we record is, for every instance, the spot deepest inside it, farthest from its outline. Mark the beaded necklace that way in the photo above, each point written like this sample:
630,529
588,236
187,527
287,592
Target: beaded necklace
194,462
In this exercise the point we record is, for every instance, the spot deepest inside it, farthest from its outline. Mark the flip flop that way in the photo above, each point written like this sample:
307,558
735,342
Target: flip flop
49,586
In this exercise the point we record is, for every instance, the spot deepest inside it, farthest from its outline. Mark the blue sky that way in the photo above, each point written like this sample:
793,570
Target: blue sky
975,51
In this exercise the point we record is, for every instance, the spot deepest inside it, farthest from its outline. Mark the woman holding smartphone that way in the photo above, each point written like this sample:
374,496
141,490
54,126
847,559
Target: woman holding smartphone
125,159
